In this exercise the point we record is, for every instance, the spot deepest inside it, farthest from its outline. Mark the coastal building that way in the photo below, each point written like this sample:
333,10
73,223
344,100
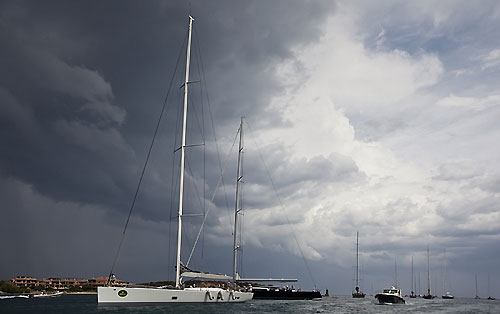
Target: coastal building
62,283
24,281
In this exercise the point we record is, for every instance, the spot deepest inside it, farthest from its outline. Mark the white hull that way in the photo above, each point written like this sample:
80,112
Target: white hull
125,295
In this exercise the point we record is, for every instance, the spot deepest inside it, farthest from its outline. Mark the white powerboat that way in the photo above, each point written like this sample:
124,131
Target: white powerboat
390,296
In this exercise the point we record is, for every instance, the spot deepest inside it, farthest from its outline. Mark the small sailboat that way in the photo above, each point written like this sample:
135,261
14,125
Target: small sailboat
357,293
428,295
151,295
412,293
477,294
447,294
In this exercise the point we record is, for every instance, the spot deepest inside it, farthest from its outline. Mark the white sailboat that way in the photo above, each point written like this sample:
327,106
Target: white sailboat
357,293
477,293
412,289
428,295
144,295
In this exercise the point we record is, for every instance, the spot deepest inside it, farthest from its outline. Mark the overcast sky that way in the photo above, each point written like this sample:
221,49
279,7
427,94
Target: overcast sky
378,116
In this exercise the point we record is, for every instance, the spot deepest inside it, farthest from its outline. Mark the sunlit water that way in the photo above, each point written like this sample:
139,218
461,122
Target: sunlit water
334,304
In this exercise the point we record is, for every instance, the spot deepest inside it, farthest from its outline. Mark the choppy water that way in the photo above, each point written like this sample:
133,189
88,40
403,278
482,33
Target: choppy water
76,304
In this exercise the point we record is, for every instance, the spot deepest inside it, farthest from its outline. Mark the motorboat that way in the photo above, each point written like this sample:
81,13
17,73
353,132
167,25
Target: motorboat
447,295
44,294
390,296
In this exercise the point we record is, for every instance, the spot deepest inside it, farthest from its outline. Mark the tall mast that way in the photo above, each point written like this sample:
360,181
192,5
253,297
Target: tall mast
411,289
238,207
489,294
396,272
428,274
357,258
445,272
183,147
419,290
476,287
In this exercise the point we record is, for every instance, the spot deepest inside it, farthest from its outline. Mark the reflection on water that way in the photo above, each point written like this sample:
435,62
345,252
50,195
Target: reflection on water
76,304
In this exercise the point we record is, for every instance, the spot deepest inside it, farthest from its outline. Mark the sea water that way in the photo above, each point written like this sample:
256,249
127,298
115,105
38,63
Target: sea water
76,304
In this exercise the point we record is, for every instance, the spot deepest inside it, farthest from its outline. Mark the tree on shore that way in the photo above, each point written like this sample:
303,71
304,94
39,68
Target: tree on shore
7,287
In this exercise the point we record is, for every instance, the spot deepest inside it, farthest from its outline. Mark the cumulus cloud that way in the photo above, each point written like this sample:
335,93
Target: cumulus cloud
491,60
327,82
378,109
469,103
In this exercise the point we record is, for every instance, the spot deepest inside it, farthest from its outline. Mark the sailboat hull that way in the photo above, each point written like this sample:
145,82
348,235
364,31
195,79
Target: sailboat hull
358,295
284,294
131,296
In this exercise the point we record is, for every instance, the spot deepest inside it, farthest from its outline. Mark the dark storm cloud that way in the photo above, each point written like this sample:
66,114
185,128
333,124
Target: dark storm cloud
61,129
248,40
74,70
81,87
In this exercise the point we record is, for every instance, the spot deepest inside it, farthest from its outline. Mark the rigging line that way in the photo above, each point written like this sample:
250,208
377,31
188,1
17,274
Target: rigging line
204,172
186,234
212,199
213,129
241,212
201,127
197,55
174,191
188,198
242,229
194,182
177,119
196,118
146,161
282,205
194,109
173,178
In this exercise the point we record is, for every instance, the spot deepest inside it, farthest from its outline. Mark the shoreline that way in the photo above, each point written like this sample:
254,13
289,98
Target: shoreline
31,293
